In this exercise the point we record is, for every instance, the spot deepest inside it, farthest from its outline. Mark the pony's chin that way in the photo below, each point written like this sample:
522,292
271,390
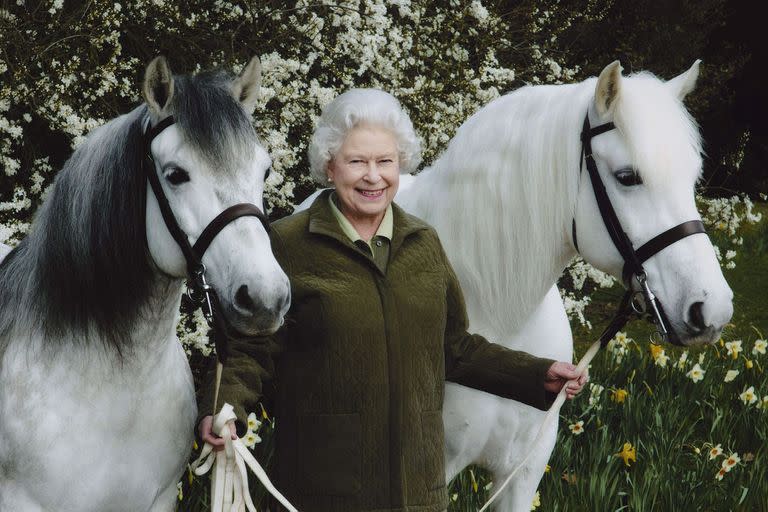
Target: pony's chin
705,337
251,328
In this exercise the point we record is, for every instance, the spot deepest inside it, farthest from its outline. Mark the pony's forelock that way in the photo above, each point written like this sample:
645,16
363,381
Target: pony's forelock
212,120
663,138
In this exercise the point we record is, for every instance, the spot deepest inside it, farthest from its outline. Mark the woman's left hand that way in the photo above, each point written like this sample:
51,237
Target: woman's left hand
560,374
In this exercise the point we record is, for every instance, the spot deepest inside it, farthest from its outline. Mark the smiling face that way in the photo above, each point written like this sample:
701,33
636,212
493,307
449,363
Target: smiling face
366,173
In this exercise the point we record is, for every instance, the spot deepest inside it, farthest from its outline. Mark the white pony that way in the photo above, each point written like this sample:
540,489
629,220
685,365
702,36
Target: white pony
96,396
503,198
4,250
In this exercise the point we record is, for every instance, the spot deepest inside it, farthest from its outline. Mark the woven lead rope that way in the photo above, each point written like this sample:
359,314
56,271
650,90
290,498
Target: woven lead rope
229,482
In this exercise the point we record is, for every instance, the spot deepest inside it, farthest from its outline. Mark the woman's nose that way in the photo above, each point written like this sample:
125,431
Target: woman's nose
373,175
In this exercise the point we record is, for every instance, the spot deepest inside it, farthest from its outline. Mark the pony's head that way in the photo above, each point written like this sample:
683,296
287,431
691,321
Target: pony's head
650,165
208,160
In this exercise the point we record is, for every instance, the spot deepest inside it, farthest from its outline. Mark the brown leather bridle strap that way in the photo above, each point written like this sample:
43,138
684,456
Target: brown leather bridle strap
224,218
669,237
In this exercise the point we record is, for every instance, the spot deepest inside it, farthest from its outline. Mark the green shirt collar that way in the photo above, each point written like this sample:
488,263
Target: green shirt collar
385,228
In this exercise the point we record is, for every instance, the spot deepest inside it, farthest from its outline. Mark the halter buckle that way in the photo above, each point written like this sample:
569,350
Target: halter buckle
199,292
649,307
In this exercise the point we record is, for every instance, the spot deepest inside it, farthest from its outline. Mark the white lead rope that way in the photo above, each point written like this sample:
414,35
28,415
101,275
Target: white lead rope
552,414
229,482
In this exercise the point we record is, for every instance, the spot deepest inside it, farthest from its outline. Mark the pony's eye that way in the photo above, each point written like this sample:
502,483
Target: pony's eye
266,174
628,177
177,176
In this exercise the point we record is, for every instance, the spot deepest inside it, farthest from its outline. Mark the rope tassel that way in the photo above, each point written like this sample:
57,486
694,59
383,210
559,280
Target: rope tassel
229,481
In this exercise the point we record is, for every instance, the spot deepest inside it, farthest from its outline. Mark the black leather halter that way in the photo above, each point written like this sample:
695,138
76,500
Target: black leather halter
644,303
198,290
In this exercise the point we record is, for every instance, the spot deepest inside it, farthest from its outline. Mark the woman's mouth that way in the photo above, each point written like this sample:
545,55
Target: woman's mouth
371,194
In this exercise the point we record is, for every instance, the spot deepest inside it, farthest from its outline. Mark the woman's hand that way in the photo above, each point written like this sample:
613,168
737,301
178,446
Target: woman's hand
559,374
206,433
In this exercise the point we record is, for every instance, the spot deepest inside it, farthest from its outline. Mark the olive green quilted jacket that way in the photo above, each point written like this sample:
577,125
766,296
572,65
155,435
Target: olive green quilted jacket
357,372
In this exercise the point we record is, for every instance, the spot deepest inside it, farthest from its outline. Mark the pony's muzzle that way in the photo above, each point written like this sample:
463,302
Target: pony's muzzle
254,311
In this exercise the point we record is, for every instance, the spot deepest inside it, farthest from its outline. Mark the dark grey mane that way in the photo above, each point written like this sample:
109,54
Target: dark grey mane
211,119
84,267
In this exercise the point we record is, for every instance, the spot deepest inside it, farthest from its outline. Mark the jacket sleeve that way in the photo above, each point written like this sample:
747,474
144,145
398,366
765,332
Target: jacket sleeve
250,364
473,361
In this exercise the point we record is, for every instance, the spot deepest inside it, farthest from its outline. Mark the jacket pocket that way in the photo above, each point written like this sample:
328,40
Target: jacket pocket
330,454
434,449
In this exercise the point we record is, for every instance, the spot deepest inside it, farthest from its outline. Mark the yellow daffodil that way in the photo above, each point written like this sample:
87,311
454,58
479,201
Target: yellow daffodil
696,373
715,452
180,491
619,395
730,462
748,364
547,468
660,357
474,482
536,501
454,496
763,403
263,412
730,375
702,356
720,474
734,348
683,360
748,396
576,428
759,348
628,453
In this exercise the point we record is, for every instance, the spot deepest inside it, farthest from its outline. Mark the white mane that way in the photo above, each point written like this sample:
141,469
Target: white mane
508,172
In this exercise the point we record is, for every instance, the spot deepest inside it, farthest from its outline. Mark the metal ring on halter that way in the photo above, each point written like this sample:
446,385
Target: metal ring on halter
638,303
657,338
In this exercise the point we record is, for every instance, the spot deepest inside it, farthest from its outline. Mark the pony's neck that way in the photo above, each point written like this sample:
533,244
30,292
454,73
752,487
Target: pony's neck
502,198
156,319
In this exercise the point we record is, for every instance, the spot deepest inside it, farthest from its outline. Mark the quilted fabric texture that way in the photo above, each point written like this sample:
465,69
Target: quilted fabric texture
357,372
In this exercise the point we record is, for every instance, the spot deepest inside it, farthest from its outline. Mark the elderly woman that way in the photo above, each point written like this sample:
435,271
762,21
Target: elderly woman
377,323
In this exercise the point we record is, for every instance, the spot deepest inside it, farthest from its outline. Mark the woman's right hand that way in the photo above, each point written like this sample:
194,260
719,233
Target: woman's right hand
206,433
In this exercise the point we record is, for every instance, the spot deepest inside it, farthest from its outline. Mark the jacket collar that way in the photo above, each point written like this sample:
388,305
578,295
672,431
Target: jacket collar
322,221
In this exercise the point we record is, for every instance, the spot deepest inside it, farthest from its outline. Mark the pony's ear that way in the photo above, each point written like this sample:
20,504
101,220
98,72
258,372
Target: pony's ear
683,84
608,88
245,87
158,85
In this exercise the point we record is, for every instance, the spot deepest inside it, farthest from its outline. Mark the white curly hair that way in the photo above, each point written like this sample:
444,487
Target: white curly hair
356,106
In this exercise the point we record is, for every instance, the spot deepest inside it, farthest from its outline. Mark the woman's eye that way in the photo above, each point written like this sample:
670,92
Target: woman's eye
628,177
177,176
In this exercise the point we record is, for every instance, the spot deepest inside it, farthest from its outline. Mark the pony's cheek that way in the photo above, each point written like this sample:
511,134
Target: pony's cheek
163,249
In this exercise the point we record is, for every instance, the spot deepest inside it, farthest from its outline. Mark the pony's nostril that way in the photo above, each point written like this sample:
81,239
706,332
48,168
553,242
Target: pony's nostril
696,316
243,300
